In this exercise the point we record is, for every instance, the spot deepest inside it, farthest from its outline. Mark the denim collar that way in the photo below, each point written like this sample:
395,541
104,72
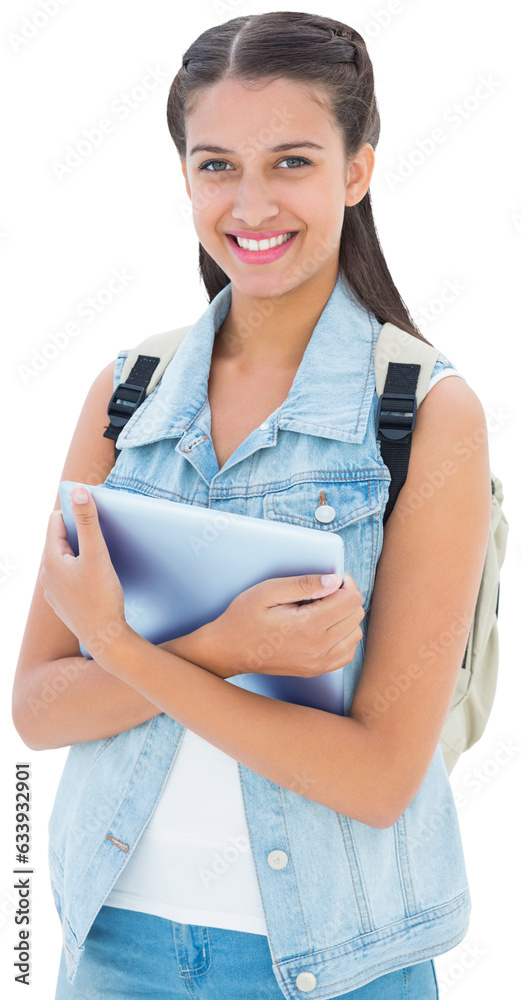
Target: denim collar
331,394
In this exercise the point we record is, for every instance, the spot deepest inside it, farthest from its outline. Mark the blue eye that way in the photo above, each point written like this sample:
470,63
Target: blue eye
207,163
301,158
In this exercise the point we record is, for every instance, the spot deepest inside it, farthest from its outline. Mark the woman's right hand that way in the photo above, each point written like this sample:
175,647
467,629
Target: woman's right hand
266,630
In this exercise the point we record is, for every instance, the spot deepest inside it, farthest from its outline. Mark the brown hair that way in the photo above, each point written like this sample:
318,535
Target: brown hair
314,49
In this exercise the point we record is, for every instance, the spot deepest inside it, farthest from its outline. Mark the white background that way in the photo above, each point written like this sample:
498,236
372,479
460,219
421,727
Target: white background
455,218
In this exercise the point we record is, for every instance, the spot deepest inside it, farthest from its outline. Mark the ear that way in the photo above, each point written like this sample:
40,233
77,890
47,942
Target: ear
185,175
359,174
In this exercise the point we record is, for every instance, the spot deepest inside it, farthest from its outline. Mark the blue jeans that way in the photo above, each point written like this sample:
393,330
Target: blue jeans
129,954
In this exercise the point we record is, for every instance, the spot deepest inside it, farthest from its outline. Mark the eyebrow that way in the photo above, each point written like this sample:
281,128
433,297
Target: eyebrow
281,148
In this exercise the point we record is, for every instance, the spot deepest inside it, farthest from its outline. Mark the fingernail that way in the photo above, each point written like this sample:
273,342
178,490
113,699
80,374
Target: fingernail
331,580
80,495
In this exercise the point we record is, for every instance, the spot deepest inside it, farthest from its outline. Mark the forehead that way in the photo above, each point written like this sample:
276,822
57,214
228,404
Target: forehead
232,110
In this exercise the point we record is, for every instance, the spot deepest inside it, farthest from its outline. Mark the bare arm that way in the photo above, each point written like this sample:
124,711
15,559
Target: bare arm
59,696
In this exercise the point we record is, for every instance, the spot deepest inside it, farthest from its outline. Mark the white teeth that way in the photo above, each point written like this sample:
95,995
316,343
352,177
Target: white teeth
263,244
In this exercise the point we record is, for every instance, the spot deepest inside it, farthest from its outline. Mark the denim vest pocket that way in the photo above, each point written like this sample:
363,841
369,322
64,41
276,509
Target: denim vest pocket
355,500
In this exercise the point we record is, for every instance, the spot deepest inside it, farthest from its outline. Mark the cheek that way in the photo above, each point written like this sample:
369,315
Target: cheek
207,196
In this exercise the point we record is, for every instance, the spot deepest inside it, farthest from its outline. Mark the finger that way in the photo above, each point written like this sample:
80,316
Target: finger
57,535
351,588
87,522
56,545
343,649
291,589
339,629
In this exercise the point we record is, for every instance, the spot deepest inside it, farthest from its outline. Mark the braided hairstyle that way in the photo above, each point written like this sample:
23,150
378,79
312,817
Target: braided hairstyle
318,50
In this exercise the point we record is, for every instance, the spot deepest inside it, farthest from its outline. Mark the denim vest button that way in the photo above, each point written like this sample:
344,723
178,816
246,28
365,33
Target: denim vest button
325,513
278,859
306,981
264,426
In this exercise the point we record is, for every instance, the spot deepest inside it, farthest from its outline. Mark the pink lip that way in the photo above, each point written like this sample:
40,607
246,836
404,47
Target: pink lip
260,256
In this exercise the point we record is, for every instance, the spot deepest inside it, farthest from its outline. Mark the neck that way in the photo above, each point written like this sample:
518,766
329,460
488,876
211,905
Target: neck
261,333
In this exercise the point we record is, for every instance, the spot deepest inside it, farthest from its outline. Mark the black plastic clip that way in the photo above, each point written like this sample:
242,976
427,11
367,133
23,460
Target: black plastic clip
396,415
124,401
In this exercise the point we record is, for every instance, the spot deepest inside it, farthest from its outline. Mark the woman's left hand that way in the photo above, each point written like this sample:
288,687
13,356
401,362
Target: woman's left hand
83,590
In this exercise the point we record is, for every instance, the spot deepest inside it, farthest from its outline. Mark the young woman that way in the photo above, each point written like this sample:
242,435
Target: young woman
205,839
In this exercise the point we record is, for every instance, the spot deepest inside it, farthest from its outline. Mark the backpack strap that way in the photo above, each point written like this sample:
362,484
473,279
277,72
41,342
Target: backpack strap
403,368
143,368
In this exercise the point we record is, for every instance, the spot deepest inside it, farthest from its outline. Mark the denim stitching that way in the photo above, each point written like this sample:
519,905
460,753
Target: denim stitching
248,481
369,370
372,565
406,852
400,873
196,971
403,862
319,991
150,732
272,946
293,867
260,489
139,486
363,889
351,871
355,514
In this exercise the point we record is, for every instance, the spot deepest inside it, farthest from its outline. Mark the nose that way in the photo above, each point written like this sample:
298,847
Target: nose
253,204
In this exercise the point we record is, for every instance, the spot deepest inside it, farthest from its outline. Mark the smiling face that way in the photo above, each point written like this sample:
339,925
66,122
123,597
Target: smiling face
270,163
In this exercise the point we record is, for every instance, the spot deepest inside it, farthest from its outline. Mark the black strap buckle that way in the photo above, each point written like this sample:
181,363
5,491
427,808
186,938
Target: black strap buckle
396,415
124,401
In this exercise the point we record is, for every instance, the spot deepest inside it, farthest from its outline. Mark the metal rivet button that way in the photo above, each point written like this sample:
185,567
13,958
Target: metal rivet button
264,426
306,981
277,859
324,512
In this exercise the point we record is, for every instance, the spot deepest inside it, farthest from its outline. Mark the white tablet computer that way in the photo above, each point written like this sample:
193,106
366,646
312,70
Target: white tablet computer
181,565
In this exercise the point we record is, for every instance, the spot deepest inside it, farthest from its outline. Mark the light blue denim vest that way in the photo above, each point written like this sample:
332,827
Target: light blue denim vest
353,902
